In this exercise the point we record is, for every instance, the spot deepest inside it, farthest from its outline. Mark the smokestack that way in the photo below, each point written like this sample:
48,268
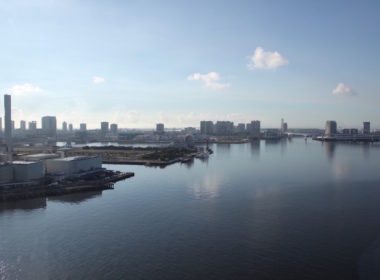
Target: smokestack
8,123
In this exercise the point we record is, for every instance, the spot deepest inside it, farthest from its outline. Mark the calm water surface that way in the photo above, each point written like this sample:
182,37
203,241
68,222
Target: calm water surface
286,210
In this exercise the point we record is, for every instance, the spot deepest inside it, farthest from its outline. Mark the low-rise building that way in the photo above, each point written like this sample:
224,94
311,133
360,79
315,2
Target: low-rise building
6,173
73,166
28,170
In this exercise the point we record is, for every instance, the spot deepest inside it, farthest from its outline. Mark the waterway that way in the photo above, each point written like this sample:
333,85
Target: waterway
264,210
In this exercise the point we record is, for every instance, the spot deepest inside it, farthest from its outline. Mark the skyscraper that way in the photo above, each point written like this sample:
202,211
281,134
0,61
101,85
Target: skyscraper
8,122
114,129
83,127
49,125
22,125
32,125
64,126
160,128
104,127
366,127
207,127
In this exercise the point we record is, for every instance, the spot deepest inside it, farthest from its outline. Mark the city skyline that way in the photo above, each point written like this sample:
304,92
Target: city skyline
179,63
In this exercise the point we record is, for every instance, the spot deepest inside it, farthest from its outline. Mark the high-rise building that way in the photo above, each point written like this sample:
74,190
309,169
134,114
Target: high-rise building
207,127
32,125
104,127
284,126
240,128
366,127
331,128
160,128
1,126
13,126
224,128
49,125
64,126
114,128
71,127
254,129
8,122
83,127
23,125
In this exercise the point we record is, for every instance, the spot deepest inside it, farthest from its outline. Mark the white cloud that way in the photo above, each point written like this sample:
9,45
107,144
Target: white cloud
210,80
97,80
262,59
21,90
342,90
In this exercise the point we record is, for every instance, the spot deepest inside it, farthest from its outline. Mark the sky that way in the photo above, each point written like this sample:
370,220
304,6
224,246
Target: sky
137,63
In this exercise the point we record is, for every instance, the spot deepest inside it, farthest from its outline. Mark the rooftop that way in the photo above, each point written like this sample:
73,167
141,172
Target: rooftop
76,158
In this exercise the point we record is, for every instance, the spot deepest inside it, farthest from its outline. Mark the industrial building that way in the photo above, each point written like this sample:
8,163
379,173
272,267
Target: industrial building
39,157
6,173
73,166
28,170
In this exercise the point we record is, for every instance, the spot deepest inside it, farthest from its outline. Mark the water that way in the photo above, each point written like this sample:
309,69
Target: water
286,210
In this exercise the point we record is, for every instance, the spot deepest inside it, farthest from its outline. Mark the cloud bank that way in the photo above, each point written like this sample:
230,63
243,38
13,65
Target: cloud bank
97,80
210,80
262,59
24,89
343,90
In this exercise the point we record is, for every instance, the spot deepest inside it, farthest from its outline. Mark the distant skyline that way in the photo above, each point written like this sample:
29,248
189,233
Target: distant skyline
138,63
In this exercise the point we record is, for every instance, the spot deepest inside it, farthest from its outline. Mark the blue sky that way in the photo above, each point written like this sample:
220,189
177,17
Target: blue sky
141,62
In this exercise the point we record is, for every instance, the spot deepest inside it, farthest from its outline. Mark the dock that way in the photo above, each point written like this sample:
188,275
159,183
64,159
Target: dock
17,191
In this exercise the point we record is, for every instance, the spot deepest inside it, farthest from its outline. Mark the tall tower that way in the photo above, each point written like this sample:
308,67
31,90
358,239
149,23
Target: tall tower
8,122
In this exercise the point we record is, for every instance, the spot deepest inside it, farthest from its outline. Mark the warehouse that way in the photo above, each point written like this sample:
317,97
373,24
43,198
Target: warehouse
27,170
6,173
73,166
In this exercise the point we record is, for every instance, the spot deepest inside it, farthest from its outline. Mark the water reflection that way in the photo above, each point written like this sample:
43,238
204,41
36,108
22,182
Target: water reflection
341,171
223,148
27,205
365,148
208,187
189,164
330,149
255,148
41,202
75,198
